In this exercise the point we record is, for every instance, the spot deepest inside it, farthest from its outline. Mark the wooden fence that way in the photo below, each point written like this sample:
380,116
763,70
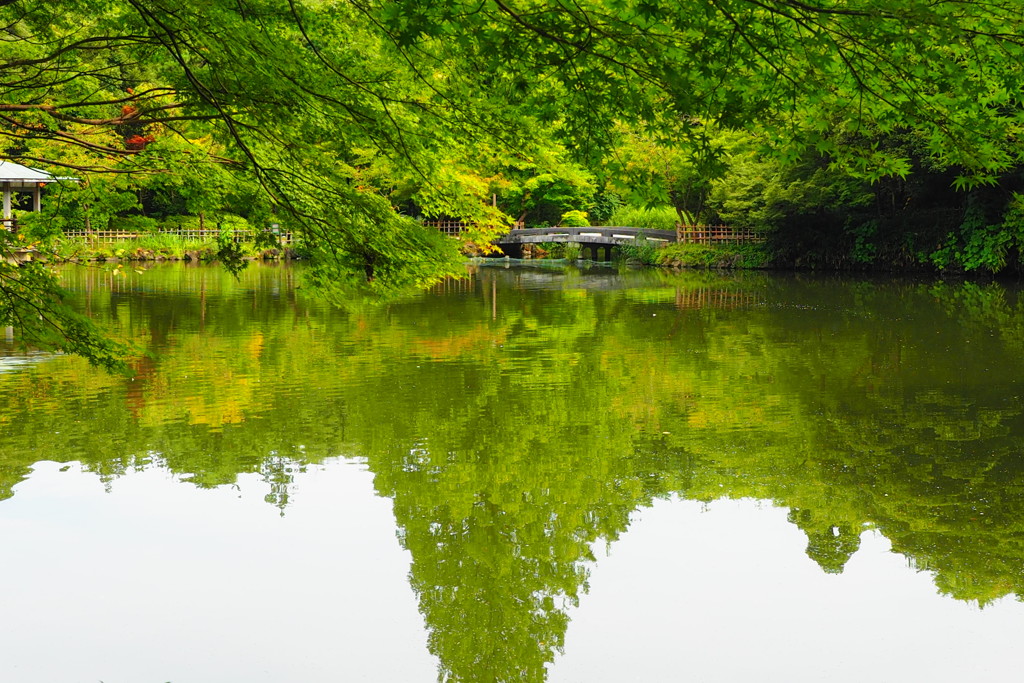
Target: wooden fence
453,228
456,228
687,234
196,234
715,234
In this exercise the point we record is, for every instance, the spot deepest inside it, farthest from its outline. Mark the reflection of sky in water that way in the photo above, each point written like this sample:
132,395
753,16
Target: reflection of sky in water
157,580
12,360
729,595
160,581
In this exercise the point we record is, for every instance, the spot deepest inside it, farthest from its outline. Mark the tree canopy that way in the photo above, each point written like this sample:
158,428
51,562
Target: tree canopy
327,111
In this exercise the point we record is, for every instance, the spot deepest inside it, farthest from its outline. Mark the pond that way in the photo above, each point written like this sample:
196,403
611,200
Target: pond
533,474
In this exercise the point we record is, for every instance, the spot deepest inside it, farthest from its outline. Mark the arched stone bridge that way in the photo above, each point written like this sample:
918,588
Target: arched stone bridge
594,239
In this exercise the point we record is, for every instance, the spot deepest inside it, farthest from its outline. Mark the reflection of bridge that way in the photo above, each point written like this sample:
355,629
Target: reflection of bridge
725,294
593,239
720,299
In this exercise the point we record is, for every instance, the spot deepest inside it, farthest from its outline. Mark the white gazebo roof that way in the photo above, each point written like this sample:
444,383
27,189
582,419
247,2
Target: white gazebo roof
11,172
17,178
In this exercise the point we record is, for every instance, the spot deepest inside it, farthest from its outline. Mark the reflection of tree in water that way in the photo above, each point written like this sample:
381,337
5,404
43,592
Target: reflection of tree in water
492,589
830,545
498,499
500,539
513,432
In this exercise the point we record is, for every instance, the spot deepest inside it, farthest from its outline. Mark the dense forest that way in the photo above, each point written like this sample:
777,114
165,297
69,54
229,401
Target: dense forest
868,133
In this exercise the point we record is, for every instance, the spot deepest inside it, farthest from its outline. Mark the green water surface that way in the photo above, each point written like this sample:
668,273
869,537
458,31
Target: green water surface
532,474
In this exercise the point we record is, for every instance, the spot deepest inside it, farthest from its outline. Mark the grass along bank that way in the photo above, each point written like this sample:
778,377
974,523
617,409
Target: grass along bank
688,255
750,255
162,247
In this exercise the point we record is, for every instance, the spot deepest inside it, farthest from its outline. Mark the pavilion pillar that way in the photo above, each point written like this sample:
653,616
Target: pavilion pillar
37,198
7,201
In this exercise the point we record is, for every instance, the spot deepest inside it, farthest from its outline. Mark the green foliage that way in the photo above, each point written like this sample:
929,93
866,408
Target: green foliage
38,227
230,252
315,111
865,250
95,204
230,223
574,219
381,251
652,218
549,192
675,168
641,249
180,222
719,256
603,205
979,244
761,193
134,224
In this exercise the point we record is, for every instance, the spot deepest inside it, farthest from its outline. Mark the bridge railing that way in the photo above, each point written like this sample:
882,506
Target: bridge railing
603,232
687,234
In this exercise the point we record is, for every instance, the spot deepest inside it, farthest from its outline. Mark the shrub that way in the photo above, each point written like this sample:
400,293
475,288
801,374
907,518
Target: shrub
706,256
134,223
982,242
603,206
230,221
658,218
574,219
38,226
641,249
172,223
